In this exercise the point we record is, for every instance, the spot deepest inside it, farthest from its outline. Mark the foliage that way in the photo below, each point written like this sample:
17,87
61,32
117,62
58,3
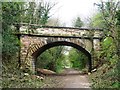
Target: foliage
37,13
107,18
20,80
78,59
118,17
29,15
13,77
108,47
97,21
110,43
17,12
77,22
51,59
10,15
107,75
118,30
54,59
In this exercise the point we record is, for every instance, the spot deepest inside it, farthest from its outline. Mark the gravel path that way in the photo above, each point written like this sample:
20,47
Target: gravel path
69,79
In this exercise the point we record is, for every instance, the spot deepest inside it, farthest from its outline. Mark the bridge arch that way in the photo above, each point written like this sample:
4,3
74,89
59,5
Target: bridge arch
64,43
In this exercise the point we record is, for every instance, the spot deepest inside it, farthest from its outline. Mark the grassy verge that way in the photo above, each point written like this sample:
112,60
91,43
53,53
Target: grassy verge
105,77
20,80
12,77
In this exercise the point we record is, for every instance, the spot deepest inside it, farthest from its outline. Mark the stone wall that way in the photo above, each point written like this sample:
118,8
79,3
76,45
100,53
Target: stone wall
54,31
30,44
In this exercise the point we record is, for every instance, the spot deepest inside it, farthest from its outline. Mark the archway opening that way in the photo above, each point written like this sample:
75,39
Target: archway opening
59,46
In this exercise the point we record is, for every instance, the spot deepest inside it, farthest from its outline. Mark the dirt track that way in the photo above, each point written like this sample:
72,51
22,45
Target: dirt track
70,79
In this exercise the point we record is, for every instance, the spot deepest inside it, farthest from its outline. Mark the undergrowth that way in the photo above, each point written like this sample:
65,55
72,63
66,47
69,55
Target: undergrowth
105,77
13,77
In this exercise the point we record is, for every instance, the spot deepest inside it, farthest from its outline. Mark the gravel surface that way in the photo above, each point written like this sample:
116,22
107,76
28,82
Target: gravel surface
70,78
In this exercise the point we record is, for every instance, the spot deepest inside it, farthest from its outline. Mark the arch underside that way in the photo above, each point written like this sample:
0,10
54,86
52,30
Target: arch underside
64,43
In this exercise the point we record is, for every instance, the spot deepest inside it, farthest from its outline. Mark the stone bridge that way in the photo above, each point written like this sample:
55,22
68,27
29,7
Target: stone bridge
36,39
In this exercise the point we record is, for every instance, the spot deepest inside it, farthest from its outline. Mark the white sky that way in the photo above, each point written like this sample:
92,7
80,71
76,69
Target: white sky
67,10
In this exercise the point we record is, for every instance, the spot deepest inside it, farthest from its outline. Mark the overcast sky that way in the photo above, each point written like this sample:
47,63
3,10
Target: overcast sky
67,10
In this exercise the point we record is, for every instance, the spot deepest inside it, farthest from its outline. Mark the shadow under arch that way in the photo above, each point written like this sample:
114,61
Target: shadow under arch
65,43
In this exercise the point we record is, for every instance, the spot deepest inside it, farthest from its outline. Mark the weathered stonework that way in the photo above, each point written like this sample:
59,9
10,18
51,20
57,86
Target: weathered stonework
31,42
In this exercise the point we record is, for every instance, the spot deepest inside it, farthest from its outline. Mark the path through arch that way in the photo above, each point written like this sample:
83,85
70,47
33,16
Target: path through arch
65,43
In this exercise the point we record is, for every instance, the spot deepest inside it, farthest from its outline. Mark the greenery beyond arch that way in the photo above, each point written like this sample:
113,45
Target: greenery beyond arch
64,43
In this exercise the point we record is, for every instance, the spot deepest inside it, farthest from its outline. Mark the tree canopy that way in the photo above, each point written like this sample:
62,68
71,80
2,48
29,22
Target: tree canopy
77,22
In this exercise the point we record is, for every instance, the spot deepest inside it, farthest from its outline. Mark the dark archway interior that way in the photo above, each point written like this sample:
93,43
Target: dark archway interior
65,43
